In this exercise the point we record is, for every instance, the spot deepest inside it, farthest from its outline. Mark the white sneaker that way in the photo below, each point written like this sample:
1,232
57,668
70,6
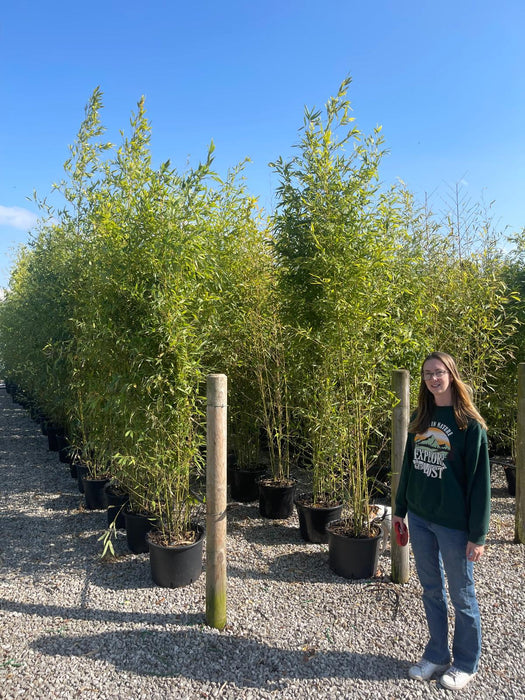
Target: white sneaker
454,679
424,670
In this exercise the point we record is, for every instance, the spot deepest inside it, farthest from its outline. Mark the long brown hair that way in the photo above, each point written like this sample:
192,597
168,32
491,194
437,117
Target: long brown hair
464,408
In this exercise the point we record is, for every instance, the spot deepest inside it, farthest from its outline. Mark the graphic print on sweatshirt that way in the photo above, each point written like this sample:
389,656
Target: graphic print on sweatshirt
431,449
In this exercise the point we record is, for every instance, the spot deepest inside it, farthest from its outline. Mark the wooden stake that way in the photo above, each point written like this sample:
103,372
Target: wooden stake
216,451
519,531
400,418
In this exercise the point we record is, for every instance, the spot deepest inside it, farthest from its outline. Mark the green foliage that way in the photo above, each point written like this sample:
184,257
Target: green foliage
369,284
143,280
338,241
500,404
150,270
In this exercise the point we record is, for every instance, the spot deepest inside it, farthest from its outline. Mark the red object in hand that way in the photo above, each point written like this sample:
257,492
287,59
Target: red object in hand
401,535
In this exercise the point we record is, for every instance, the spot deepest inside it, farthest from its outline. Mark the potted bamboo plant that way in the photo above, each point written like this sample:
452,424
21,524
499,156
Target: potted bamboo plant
277,491
246,465
324,503
333,248
175,544
354,539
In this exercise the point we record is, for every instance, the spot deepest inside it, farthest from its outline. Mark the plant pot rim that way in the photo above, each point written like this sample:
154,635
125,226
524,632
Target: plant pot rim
95,478
305,500
195,527
277,483
255,467
111,486
138,513
332,526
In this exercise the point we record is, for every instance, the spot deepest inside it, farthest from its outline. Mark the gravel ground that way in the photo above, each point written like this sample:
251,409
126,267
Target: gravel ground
76,626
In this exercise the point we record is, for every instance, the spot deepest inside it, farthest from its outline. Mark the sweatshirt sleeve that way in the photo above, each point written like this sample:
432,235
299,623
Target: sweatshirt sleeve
477,465
401,495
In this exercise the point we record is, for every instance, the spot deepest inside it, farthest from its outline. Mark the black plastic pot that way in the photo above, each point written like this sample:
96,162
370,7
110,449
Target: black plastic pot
276,501
244,483
353,557
64,449
34,412
314,519
95,493
52,437
137,527
82,471
10,386
117,501
173,567
510,475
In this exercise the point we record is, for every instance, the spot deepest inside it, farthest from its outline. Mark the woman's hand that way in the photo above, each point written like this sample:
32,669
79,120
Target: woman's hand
401,530
474,551
401,521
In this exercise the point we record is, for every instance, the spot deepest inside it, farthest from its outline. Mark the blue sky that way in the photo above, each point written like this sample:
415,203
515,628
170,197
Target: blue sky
446,80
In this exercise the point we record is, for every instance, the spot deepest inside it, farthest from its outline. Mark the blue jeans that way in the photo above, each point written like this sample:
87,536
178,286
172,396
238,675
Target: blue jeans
438,550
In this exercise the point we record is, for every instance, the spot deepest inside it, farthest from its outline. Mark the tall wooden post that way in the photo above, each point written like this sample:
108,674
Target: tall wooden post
216,451
519,531
400,418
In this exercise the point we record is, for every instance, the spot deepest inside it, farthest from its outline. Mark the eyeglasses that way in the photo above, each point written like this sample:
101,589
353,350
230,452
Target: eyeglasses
427,376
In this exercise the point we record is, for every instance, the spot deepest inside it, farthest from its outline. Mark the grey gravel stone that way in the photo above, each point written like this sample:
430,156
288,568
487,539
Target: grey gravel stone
75,626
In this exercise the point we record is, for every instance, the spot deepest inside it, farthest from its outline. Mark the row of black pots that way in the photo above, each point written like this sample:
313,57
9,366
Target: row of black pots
354,558
171,567
57,441
100,494
277,502
350,557
25,400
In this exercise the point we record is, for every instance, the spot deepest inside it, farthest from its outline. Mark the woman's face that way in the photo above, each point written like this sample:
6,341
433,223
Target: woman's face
438,381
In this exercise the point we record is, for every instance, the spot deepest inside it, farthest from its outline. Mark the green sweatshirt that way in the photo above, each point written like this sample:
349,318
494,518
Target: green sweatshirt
445,477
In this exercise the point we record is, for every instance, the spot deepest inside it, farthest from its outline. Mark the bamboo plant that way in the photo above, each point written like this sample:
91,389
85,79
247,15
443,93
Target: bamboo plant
336,237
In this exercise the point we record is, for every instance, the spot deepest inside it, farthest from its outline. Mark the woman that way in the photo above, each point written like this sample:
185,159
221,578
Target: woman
445,489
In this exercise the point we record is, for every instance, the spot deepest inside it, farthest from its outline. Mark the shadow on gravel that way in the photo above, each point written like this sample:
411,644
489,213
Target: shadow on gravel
207,657
42,544
132,572
310,566
93,614
40,473
272,532
68,502
242,511
499,492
